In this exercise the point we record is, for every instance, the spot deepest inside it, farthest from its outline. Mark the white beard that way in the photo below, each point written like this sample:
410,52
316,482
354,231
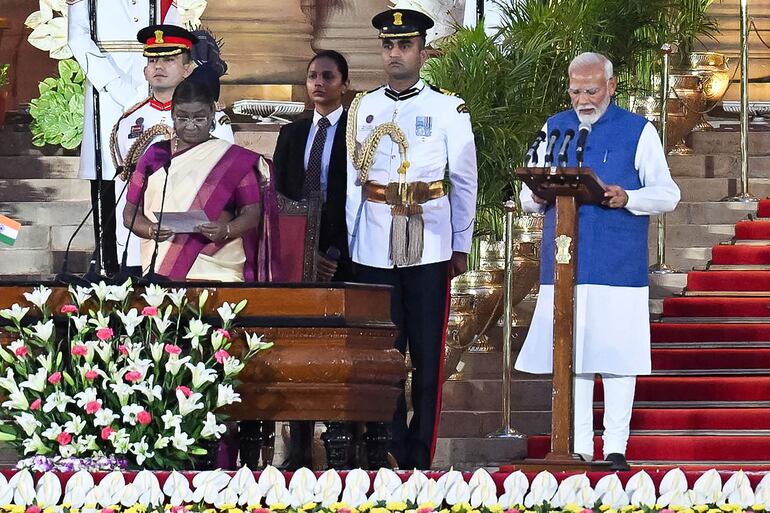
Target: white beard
597,114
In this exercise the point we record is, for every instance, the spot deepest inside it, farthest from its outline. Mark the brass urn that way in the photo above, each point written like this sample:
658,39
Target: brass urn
460,332
486,287
688,90
681,120
714,72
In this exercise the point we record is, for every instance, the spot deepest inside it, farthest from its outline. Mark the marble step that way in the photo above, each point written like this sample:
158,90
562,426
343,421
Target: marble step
723,142
26,262
53,238
470,453
65,213
695,235
479,424
708,212
530,393
44,190
21,167
718,165
715,189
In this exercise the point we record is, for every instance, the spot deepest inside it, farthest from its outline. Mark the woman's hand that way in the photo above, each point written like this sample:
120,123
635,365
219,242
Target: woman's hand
214,231
162,233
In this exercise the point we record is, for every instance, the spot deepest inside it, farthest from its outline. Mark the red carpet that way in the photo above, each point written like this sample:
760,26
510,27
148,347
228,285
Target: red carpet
708,399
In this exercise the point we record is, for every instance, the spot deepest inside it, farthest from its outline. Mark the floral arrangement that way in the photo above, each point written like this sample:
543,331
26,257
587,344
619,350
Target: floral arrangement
450,492
4,69
138,384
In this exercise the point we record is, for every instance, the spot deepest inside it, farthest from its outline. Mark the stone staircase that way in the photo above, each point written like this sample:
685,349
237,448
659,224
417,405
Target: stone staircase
44,194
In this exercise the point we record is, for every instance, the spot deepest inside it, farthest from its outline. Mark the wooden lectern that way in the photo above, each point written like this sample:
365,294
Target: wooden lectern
568,187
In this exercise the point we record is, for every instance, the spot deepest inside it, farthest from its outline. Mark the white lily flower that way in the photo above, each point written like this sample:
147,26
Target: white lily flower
130,320
142,451
86,396
154,295
226,395
34,445
181,440
17,401
100,289
177,296
28,423
76,425
130,412
104,350
123,391
101,320
201,374
171,421
149,389
119,293
175,364
226,312
255,342
156,350
217,340
15,312
233,366
120,441
53,431
15,346
196,329
80,294
38,297
86,443
189,404
56,401
36,381
80,322
163,322
46,361
9,381
211,428
43,331
104,417
161,442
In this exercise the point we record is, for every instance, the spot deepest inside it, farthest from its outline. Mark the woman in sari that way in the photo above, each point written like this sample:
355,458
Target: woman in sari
197,172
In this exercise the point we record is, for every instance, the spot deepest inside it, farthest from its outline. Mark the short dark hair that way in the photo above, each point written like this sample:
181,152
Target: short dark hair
337,57
189,91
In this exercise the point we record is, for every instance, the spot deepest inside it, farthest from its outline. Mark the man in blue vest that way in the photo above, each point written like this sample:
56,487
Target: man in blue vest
612,331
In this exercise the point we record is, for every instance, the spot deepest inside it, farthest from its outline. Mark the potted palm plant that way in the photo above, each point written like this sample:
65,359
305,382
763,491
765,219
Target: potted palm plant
4,81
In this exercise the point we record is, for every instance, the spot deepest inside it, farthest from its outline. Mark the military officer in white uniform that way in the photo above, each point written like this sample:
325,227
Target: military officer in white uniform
112,61
404,228
168,62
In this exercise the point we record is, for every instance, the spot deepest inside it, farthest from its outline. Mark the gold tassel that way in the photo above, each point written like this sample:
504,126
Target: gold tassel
416,228
398,235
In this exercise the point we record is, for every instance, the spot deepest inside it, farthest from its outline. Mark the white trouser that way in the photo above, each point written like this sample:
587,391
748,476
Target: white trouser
618,403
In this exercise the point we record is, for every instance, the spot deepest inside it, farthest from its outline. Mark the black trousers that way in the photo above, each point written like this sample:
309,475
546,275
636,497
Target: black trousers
419,311
104,222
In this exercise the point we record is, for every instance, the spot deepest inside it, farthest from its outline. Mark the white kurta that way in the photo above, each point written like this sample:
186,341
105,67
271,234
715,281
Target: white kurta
113,65
130,127
438,130
612,326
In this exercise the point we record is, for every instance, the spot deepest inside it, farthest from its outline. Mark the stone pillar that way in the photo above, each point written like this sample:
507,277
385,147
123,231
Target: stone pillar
345,26
266,42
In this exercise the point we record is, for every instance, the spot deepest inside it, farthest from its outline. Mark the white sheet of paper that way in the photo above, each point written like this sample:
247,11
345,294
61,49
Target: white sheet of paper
183,222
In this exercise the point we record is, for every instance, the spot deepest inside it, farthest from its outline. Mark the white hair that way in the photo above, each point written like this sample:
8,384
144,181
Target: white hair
591,59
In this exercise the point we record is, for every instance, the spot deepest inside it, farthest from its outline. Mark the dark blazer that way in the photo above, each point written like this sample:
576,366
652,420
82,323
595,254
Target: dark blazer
289,161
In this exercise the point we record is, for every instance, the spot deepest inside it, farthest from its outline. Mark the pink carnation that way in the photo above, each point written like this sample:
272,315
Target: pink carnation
173,349
106,432
421,510
133,376
21,351
122,349
35,404
513,510
260,510
93,406
91,375
221,355
107,510
150,311
79,350
104,333
54,378
186,391
64,438
179,509
34,509
224,333
69,309
144,417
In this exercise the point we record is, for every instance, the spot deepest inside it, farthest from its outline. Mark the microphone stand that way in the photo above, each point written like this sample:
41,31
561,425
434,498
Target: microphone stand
152,276
124,274
64,276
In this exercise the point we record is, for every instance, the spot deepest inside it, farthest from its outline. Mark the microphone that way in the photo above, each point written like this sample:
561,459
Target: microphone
152,276
333,253
585,129
551,143
568,135
532,152
64,276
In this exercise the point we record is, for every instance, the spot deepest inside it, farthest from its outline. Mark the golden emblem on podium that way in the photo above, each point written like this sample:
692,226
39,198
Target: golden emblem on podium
562,249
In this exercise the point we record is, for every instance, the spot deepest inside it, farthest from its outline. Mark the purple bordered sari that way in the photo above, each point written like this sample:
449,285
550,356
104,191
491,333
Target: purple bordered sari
239,178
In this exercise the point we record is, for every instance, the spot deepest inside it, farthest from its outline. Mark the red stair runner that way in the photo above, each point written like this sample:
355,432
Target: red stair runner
708,399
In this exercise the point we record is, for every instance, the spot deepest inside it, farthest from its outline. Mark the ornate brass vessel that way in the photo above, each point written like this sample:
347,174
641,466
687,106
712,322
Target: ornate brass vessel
714,72
688,90
460,332
486,287
680,119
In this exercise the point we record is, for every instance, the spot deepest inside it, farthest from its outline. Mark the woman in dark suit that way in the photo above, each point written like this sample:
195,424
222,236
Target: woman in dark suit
310,158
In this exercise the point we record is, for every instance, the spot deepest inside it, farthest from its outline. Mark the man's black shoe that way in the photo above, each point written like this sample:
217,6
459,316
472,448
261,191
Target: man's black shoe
617,461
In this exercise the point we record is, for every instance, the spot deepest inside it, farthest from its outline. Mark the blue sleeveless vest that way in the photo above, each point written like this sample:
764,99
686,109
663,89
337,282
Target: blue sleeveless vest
612,243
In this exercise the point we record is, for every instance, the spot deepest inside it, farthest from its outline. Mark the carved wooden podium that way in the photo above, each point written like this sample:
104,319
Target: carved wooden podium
568,187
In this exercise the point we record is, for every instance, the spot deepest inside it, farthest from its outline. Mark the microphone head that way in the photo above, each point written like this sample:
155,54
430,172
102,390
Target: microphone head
541,136
569,133
333,253
555,133
585,127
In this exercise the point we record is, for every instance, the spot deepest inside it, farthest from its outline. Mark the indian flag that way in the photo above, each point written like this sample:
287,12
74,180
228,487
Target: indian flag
9,230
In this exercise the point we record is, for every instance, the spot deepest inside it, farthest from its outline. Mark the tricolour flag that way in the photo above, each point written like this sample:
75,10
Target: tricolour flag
9,230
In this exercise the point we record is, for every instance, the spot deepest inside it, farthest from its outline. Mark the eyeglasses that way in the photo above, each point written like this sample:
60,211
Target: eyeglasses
591,92
197,121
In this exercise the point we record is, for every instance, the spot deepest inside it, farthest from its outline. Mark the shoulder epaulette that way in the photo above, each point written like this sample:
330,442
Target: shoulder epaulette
224,120
134,108
442,91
